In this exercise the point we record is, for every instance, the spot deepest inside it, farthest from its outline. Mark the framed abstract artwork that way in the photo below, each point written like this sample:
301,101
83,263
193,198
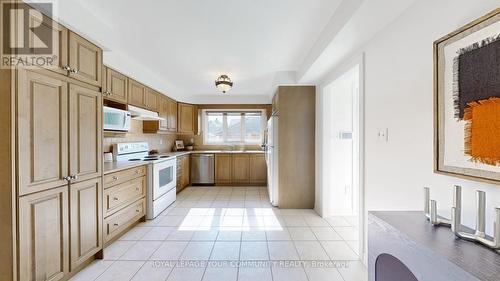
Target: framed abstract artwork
467,100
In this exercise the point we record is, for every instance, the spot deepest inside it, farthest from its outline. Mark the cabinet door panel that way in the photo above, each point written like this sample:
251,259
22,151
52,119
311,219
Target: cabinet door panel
163,125
86,220
136,93
185,171
185,114
59,34
172,116
43,235
241,168
152,100
223,168
86,58
85,132
42,133
116,85
258,168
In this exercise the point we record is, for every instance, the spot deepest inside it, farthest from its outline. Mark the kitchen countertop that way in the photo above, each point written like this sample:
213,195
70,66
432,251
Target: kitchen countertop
111,167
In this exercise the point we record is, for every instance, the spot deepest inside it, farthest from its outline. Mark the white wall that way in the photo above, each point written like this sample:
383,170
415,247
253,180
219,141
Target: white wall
399,96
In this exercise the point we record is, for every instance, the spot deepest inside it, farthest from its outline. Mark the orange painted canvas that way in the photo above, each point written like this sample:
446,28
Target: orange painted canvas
482,138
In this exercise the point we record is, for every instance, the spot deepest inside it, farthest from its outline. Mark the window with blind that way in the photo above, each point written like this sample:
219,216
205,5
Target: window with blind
233,127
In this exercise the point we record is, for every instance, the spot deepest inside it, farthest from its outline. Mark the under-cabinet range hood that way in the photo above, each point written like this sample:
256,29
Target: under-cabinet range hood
138,113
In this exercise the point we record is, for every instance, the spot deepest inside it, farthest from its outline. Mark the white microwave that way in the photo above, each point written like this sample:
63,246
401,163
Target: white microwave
116,119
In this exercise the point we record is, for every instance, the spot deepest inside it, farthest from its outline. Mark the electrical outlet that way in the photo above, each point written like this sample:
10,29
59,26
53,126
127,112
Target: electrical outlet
383,135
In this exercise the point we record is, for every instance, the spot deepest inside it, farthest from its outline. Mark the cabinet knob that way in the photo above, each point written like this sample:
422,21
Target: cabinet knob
66,67
74,177
115,178
74,71
115,198
115,224
137,211
67,178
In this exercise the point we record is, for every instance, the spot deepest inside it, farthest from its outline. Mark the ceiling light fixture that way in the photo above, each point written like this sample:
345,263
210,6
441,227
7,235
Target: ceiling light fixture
223,83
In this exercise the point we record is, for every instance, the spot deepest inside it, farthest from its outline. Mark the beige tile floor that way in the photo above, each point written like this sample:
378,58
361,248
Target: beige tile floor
232,233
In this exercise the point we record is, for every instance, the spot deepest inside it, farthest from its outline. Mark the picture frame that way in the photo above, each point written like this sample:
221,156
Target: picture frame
179,144
462,147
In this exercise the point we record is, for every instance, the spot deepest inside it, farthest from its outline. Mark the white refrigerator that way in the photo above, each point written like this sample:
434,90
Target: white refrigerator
272,160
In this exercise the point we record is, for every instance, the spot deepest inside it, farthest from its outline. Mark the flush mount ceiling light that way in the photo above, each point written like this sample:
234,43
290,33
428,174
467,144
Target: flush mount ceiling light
223,83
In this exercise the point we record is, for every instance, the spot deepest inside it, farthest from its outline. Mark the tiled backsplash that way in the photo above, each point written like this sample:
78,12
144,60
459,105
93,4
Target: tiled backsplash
198,144
160,142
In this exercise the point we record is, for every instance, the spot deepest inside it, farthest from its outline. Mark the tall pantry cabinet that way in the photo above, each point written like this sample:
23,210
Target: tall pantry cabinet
51,159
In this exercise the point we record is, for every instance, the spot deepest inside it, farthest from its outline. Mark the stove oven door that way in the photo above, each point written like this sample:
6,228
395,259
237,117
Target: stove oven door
164,177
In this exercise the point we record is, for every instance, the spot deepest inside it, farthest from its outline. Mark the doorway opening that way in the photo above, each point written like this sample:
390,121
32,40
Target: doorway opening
342,156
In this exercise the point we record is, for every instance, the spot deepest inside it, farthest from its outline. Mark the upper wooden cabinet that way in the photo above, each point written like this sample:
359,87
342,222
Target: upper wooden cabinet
115,85
85,60
43,235
59,35
86,220
59,131
172,115
186,118
85,132
168,110
258,168
152,100
42,132
136,93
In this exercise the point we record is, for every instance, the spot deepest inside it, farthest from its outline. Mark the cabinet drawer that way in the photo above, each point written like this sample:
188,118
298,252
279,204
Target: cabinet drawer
116,223
124,176
122,194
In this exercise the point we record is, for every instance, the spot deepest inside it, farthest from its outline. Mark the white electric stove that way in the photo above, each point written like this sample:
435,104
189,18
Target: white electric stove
161,175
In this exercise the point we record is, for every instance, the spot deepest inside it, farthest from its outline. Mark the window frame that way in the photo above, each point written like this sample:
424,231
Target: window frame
242,141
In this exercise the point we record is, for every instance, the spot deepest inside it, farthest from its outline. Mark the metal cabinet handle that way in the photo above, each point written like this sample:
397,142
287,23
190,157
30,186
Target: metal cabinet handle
74,71
67,178
137,211
115,178
115,198
115,224
66,67
74,177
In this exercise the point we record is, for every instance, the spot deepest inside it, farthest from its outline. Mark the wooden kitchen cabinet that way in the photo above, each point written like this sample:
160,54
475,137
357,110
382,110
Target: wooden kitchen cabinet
85,132
59,130
120,221
223,168
43,235
241,168
136,93
186,118
59,35
183,172
172,115
152,100
115,85
85,200
42,132
258,168
85,60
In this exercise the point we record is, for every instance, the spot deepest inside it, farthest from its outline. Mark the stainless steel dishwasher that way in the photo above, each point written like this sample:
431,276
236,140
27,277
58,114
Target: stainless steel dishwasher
202,169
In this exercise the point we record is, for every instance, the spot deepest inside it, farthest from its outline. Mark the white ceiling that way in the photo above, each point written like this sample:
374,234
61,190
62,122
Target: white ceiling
181,47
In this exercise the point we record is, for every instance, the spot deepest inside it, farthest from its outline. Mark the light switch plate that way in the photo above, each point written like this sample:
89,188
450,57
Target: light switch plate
383,134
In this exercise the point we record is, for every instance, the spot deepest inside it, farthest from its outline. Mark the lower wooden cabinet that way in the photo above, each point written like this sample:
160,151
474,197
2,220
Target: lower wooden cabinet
258,168
43,235
86,220
124,203
240,169
223,168
183,172
115,224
